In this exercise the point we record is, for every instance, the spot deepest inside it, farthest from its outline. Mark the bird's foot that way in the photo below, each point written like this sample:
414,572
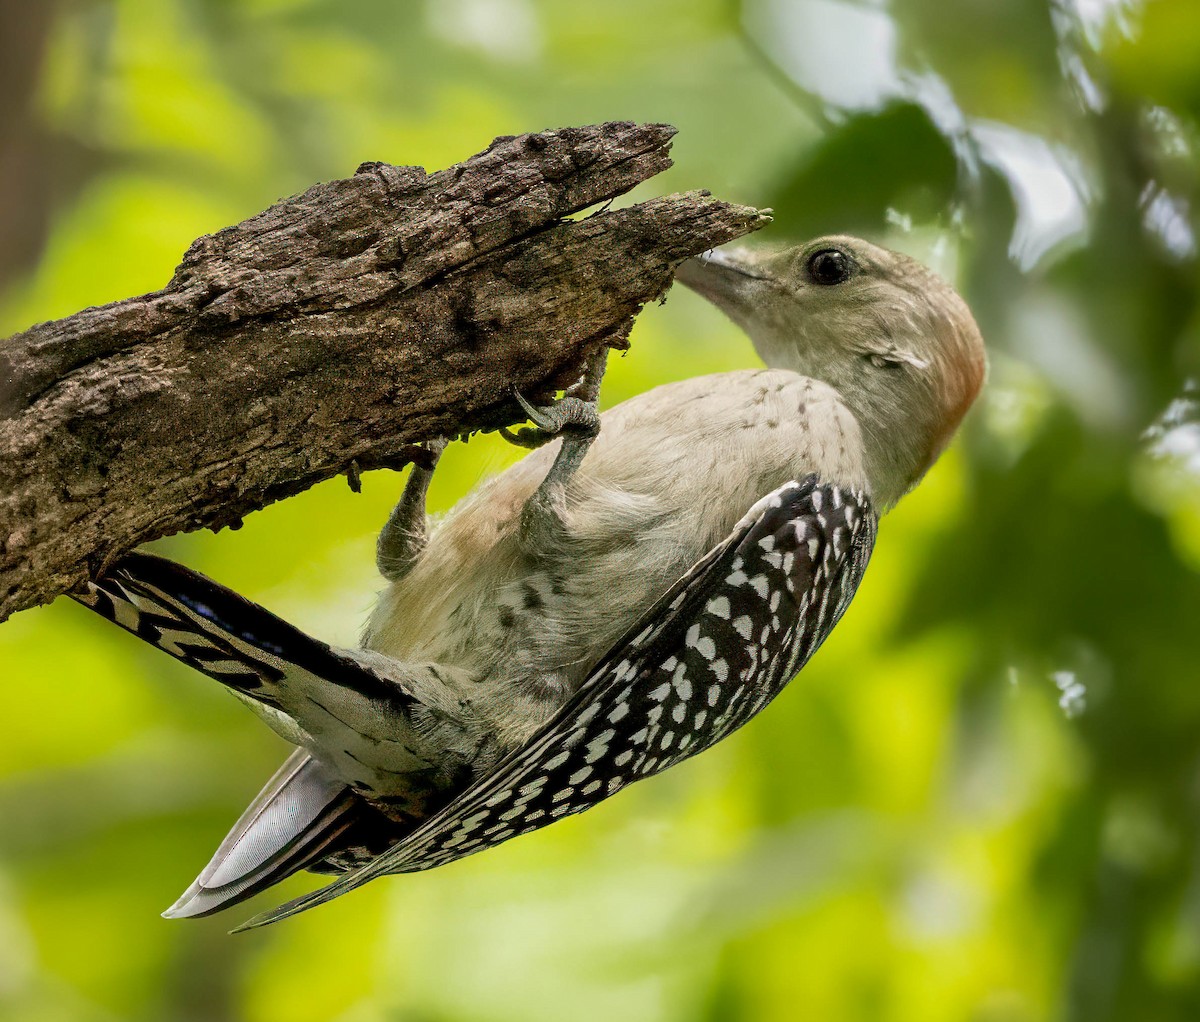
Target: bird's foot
404,534
425,455
570,415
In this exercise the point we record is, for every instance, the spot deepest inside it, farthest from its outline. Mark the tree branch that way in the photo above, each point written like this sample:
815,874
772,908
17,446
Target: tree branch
327,334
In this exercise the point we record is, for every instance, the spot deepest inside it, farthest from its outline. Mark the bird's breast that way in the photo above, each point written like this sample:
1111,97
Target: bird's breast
668,477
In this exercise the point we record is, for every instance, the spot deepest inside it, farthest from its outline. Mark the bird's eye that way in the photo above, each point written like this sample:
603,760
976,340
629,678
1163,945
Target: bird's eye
879,361
830,266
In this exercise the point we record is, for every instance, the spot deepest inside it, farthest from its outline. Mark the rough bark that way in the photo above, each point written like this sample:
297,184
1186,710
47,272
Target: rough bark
327,334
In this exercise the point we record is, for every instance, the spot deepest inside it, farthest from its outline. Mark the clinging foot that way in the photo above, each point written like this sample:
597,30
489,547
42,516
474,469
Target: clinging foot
571,414
576,418
404,535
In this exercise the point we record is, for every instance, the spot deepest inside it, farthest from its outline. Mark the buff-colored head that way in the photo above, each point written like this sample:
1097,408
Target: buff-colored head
891,336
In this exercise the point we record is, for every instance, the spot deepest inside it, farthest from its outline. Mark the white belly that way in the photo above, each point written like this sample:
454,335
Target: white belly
668,477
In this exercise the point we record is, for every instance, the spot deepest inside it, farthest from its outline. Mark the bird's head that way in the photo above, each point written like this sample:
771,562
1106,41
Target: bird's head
891,336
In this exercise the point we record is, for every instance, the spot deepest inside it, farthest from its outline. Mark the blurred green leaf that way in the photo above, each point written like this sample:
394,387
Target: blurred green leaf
891,160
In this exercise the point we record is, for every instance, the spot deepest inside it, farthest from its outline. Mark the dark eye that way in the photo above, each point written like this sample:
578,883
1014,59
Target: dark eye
830,266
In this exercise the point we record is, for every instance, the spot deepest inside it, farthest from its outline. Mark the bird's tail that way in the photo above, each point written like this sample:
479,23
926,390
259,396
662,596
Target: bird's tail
302,815
306,813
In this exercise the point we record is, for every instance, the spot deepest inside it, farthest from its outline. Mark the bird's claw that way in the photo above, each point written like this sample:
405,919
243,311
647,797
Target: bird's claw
568,414
423,455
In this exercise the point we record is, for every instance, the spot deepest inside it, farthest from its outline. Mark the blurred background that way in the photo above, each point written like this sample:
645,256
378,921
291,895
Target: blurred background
980,802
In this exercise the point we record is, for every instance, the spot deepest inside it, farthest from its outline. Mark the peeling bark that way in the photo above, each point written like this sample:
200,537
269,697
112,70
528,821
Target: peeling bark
328,334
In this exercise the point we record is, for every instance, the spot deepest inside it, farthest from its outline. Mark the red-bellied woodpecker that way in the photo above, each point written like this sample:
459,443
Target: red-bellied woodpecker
616,602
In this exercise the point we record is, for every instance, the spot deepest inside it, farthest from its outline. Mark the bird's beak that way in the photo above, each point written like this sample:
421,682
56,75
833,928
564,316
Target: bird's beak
729,278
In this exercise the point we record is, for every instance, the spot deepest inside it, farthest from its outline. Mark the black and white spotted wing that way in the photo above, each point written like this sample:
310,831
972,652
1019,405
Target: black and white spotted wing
705,659
222,634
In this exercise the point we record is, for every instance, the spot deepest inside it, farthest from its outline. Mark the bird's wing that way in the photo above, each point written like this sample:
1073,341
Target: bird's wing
302,687
336,703
701,662
221,633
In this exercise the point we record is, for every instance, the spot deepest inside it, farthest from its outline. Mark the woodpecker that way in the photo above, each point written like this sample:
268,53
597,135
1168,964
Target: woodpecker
631,592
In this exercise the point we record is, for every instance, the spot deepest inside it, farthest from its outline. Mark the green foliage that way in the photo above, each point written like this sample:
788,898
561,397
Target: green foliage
917,830
839,188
